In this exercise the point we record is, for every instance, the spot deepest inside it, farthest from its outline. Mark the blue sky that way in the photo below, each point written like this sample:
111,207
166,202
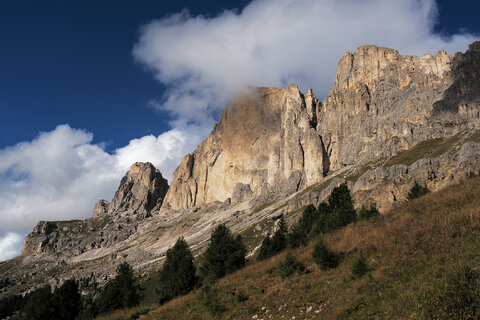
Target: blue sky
89,87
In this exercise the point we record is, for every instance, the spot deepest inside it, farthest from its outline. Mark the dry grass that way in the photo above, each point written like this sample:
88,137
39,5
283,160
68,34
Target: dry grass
410,249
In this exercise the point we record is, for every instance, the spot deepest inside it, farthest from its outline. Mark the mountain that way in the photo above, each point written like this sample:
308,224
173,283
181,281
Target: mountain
389,121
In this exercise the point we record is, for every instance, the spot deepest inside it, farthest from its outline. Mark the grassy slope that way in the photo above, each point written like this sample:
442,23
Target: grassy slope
411,249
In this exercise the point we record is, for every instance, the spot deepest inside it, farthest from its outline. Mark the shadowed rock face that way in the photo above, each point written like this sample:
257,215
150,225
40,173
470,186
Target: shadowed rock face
141,190
463,96
101,207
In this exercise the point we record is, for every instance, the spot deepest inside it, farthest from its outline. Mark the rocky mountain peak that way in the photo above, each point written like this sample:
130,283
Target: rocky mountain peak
141,190
264,143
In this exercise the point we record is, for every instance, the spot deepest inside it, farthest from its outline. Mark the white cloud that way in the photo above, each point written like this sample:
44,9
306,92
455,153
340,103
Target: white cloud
60,175
205,60
10,245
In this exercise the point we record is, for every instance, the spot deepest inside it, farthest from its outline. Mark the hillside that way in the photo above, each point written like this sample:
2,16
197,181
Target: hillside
415,252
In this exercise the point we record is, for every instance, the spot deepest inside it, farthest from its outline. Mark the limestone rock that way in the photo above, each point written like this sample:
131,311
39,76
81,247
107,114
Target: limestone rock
380,103
266,139
101,207
141,190
463,96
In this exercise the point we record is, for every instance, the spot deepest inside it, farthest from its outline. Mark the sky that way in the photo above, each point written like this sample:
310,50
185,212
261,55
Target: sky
89,87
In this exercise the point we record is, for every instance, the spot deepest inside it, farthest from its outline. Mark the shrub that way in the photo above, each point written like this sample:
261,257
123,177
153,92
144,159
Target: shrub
360,266
324,257
366,213
289,265
209,298
417,191
225,254
177,276
242,296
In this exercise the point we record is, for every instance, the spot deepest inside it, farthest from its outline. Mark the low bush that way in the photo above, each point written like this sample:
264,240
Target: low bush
324,257
417,191
289,265
360,266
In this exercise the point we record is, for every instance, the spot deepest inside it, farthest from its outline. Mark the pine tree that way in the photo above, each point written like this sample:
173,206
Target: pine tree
67,300
225,254
121,291
265,250
39,305
275,244
341,204
279,239
177,276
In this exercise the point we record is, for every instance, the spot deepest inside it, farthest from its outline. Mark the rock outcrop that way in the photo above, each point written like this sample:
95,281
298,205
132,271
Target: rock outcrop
381,103
100,208
141,190
266,142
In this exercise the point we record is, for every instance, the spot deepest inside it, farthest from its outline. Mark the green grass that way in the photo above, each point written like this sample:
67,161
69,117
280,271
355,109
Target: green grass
474,137
316,188
263,206
354,177
412,252
425,149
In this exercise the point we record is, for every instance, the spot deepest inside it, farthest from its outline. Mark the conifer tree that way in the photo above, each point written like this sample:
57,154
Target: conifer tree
177,276
225,254
67,300
121,291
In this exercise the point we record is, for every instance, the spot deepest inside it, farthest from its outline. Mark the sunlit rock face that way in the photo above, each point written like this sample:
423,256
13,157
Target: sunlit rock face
265,142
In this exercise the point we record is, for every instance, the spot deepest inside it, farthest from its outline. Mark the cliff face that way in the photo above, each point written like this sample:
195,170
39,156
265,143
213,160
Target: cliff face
272,141
381,103
266,141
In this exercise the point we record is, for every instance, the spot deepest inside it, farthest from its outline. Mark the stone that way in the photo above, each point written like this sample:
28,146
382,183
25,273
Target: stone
101,207
141,190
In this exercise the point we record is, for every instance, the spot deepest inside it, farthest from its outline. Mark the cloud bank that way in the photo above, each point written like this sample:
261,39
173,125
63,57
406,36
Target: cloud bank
60,175
205,60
